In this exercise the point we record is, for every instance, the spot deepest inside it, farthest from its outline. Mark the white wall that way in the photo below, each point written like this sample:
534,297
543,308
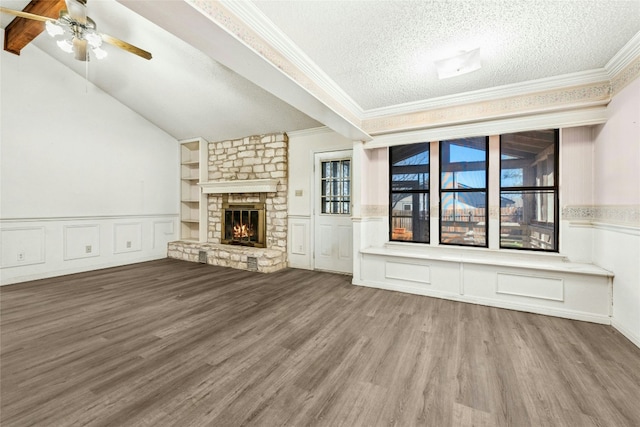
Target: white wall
302,147
617,206
85,181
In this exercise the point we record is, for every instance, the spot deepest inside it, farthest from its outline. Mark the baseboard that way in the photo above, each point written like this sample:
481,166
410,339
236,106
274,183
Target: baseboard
626,332
82,269
565,314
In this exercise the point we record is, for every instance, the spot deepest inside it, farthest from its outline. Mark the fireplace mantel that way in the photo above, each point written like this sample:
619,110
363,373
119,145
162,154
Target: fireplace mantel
239,186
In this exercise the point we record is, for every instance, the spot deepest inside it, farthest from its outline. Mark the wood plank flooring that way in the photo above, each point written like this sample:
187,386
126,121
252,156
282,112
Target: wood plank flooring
171,343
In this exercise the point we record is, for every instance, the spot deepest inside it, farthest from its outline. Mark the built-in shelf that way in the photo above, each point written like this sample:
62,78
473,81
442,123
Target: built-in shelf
192,218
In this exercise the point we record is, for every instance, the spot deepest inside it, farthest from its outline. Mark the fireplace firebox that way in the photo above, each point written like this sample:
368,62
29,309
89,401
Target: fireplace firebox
244,223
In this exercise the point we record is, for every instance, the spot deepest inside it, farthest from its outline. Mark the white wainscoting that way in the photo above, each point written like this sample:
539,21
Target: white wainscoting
538,283
37,248
300,241
127,237
550,288
81,241
617,248
22,246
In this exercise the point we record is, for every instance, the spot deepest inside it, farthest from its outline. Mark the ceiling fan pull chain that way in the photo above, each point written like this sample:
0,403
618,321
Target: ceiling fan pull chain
86,73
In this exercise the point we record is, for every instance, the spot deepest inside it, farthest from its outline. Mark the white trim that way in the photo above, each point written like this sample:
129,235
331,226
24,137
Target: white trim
567,314
624,57
257,21
616,228
494,93
240,186
583,117
528,276
116,228
43,248
310,132
553,262
81,269
65,241
84,218
299,217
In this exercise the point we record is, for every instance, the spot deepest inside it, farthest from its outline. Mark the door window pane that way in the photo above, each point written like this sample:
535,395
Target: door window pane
335,187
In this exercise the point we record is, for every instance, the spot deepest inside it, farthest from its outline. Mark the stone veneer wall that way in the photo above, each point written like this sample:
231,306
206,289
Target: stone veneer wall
253,157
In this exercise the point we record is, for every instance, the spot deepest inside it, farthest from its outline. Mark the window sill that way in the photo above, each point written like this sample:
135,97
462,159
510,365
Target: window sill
482,256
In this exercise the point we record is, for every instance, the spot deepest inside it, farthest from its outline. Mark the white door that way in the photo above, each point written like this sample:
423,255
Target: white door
332,213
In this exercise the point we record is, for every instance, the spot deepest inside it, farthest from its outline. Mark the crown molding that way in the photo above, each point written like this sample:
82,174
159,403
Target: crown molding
583,117
494,93
306,86
625,57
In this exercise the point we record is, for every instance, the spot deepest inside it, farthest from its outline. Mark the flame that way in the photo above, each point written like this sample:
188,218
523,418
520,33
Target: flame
241,231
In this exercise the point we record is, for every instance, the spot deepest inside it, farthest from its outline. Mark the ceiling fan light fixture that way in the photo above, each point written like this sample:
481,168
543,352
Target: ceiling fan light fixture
99,52
54,28
94,39
458,65
65,45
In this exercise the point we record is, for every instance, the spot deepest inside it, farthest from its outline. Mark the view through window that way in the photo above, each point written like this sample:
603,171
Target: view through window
335,191
463,191
528,190
409,204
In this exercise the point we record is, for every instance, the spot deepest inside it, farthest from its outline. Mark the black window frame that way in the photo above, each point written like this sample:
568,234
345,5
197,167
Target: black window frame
464,190
536,189
424,192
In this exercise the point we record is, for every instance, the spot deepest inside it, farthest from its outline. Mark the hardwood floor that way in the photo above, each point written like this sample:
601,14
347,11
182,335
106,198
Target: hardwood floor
183,344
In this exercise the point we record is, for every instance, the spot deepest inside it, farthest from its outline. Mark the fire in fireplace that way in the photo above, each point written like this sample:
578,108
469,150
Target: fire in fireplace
244,223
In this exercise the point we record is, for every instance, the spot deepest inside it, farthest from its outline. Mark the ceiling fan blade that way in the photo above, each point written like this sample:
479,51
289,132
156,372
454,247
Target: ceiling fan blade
27,15
79,49
126,46
77,10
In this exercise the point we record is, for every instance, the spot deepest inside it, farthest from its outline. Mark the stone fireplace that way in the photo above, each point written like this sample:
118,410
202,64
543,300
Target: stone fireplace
246,206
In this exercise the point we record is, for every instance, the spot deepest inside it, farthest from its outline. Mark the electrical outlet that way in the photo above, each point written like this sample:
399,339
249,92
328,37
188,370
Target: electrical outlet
298,193
128,243
20,256
87,249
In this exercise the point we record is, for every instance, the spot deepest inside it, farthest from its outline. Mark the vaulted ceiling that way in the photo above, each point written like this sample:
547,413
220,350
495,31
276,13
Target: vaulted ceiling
230,69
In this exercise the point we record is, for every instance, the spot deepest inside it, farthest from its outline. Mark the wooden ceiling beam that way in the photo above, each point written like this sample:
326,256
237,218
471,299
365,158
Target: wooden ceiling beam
21,31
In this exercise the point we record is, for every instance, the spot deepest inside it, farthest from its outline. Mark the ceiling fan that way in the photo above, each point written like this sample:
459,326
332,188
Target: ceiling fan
78,31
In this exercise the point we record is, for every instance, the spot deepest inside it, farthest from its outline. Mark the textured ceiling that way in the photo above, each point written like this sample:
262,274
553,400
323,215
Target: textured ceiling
381,53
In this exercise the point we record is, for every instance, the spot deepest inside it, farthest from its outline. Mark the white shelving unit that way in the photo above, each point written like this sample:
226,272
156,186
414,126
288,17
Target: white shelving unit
193,169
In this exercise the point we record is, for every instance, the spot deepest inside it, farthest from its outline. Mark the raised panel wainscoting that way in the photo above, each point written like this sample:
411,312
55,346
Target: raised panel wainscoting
536,283
46,247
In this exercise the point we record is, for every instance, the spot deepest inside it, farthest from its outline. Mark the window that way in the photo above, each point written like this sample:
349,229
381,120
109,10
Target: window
409,198
463,191
335,194
529,190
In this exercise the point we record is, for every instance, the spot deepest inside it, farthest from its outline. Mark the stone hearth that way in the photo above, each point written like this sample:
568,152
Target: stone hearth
239,169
